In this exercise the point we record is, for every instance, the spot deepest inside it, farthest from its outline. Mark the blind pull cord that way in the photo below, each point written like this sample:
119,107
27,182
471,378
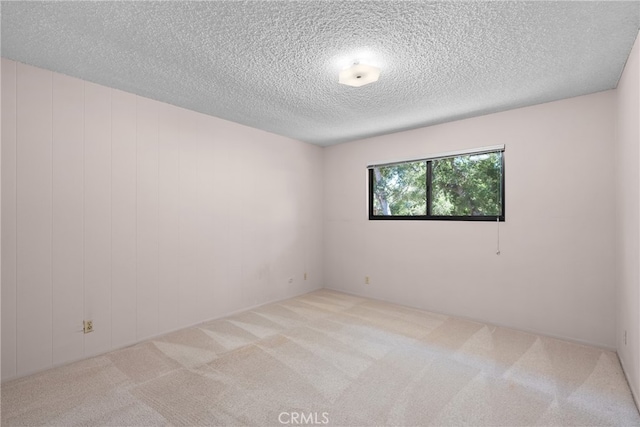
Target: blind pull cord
498,246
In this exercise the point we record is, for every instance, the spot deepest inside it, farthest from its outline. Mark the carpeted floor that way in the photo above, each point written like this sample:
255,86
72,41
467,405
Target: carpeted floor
336,359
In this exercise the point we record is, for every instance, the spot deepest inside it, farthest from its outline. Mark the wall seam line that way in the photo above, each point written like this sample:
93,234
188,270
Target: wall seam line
84,189
158,217
111,219
136,220
15,85
181,134
52,215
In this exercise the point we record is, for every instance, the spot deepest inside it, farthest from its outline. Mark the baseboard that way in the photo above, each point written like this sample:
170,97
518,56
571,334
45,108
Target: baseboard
130,344
471,319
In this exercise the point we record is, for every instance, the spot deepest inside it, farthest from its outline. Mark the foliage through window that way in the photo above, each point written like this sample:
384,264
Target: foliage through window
463,187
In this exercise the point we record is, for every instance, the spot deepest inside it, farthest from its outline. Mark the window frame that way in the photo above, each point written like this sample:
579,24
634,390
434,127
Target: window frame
429,184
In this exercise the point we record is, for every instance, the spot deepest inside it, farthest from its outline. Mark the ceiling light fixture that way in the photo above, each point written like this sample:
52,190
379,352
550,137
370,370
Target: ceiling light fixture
358,75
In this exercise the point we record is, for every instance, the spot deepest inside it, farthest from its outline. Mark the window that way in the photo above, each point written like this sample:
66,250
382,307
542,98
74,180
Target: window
456,186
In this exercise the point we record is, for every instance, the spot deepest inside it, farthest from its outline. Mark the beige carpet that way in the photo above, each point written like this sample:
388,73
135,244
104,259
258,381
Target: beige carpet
330,357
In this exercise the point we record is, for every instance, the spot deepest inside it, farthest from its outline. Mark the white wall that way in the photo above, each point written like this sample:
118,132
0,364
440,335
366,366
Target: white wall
146,218
628,219
555,275
141,216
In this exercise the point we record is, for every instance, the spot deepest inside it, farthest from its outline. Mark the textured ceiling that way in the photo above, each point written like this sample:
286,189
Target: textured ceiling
274,65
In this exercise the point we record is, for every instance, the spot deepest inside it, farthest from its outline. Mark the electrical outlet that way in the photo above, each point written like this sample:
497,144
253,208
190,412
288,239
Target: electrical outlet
88,326
624,337
290,279
305,276
366,280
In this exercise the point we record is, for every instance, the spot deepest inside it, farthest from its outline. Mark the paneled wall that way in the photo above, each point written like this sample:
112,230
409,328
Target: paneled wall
140,216
628,219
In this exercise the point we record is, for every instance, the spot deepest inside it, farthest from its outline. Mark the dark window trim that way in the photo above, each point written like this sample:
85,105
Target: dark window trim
430,217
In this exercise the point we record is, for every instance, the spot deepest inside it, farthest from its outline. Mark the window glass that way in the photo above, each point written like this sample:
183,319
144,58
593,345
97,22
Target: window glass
465,187
400,189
